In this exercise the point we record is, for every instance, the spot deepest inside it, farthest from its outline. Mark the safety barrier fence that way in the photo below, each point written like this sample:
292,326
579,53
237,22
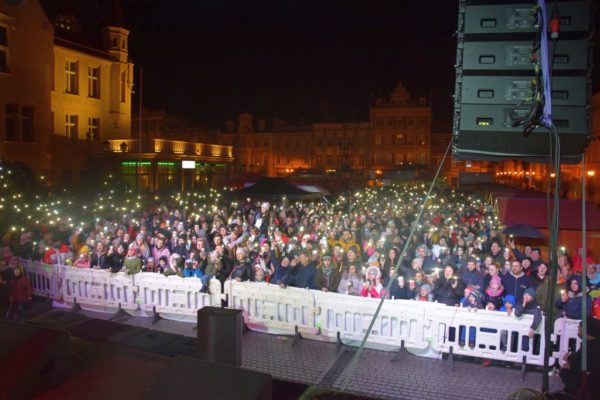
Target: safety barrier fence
423,328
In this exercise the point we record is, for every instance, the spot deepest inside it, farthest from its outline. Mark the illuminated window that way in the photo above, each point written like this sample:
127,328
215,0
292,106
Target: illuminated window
93,129
94,82
71,126
71,68
3,49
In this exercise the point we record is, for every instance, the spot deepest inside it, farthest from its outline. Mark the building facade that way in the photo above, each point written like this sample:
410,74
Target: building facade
59,90
397,135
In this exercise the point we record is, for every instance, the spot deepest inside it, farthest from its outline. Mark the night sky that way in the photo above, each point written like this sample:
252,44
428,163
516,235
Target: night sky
210,60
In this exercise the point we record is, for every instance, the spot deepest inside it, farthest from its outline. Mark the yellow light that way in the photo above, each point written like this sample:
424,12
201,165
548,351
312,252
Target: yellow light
591,173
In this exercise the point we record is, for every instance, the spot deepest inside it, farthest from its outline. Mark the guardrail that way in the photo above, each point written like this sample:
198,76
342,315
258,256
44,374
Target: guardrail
422,328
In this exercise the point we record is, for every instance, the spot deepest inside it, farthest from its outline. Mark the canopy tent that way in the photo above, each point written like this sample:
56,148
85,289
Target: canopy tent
276,188
534,212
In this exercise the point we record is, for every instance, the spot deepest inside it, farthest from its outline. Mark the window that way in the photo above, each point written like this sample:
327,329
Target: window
27,124
94,82
71,126
329,160
377,140
71,77
319,161
93,129
11,132
278,160
3,49
266,160
399,138
123,86
255,142
266,142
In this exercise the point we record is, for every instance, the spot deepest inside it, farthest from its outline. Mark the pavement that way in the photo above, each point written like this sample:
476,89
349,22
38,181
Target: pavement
379,374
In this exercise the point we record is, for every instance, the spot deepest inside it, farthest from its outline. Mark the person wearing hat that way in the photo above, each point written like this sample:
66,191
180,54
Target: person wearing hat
181,246
132,263
327,277
424,293
530,306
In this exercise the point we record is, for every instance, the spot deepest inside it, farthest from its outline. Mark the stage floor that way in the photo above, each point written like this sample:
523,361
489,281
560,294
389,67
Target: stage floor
379,374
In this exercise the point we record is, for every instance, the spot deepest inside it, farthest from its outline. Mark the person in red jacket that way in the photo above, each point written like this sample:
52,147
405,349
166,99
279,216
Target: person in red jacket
20,294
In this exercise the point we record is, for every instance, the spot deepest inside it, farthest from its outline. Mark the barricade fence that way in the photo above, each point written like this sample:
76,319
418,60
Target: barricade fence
423,328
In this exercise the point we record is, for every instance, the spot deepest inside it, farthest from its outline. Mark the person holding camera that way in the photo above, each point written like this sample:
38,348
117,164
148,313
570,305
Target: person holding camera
447,288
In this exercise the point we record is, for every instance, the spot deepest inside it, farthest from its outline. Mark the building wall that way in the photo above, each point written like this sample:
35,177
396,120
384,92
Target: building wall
400,131
27,83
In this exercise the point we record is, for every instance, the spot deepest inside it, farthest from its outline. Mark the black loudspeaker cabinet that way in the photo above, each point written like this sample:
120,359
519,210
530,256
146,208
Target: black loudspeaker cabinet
32,359
220,333
191,378
494,74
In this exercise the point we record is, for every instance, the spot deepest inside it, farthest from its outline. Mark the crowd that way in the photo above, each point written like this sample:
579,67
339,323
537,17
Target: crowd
355,246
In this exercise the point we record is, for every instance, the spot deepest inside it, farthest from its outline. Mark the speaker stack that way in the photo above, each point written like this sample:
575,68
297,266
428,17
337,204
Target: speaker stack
495,78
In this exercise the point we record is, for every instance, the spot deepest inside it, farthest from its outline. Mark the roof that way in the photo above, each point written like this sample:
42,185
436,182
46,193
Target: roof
275,187
534,211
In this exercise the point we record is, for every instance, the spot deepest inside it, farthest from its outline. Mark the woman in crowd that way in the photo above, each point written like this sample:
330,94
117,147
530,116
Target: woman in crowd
447,288
351,281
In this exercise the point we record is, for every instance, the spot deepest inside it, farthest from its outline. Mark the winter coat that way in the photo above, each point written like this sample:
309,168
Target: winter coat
20,289
472,278
242,271
192,273
302,276
117,262
162,252
531,308
100,260
401,293
516,285
355,284
133,265
181,250
444,293
572,308
330,282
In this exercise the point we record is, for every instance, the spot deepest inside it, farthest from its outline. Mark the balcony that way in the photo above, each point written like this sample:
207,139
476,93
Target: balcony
163,148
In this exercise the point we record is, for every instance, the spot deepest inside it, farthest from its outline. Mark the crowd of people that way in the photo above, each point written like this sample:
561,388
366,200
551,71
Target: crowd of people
456,255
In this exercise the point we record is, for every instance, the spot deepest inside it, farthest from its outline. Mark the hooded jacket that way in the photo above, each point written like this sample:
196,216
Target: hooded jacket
572,308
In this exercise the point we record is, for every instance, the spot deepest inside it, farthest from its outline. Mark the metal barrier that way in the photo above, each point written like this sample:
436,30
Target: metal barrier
486,334
566,338
173,297
271,309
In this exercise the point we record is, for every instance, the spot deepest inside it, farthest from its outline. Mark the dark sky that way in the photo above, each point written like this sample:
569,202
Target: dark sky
210,60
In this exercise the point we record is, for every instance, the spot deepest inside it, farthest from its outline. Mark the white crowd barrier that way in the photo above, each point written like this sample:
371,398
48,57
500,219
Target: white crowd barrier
40,275
174,297
423,328
348,317
566,338
142,294
486,334
271,309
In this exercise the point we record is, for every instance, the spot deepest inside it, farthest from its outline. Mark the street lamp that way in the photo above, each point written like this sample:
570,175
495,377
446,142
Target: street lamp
106,146
123,147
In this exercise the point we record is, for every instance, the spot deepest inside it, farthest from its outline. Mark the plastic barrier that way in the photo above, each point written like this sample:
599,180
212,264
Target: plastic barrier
173,297
271,309
99,290
348,317
486,334
40,276
423,328
565,338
